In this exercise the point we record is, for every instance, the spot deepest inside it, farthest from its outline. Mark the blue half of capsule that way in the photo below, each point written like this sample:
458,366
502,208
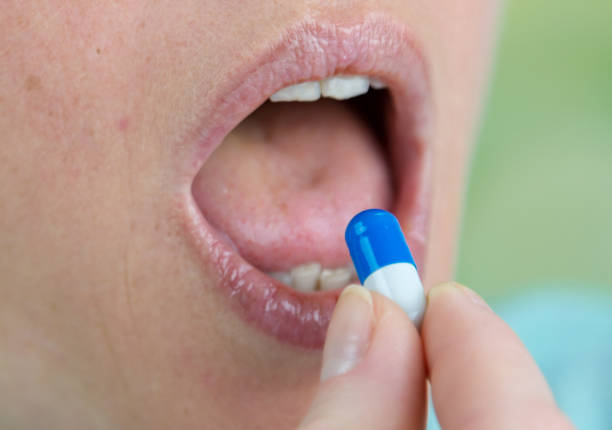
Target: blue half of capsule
375,240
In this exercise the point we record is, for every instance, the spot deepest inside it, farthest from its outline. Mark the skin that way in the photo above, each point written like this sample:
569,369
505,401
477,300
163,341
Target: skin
481,375
103,319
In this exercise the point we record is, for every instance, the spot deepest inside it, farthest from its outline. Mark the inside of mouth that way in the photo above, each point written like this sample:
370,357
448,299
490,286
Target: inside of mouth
285,182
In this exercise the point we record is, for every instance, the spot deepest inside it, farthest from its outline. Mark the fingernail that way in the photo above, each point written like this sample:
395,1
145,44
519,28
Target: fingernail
348,335
460,291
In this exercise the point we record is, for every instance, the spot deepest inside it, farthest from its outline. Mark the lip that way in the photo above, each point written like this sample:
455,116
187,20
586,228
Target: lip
377,47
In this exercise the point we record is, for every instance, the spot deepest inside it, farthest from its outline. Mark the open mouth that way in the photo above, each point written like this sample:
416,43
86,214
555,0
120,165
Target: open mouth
285,182
306,139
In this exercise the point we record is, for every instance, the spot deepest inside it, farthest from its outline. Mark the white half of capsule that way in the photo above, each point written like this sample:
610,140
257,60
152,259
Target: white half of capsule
401,283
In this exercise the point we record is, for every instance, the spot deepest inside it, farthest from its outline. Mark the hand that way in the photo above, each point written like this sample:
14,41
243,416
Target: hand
374,368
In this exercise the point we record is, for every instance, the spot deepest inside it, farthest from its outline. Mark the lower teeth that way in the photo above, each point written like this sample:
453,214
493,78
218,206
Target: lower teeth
311,277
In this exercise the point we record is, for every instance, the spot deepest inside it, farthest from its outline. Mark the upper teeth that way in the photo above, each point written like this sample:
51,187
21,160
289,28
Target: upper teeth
303,92
310,277
335,87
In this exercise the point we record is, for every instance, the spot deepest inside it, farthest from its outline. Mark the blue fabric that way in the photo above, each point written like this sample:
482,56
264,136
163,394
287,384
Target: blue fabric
375,239
569,333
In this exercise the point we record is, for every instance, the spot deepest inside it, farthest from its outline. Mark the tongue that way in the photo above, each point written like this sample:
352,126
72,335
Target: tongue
285,182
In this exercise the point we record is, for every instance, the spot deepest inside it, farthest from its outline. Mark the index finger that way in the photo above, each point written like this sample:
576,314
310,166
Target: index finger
482,377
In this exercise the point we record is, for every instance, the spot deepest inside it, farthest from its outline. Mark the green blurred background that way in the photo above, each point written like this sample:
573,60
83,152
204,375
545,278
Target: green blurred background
539,203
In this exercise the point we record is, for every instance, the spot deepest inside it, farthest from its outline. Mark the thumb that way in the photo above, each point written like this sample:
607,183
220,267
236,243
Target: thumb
373,374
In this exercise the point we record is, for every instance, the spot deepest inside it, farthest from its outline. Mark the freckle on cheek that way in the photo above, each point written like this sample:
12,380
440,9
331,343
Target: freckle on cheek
32,83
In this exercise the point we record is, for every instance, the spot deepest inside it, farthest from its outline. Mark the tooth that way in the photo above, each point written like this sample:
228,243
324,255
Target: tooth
344,87
330,279
303,92
284,277
377,84
304,278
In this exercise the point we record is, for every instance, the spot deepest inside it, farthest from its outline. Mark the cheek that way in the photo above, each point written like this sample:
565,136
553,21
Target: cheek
88,107
63,103
461,41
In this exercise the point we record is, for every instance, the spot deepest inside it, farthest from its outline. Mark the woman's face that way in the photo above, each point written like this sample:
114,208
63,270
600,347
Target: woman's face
147,198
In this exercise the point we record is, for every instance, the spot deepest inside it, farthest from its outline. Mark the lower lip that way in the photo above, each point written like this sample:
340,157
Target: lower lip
376,48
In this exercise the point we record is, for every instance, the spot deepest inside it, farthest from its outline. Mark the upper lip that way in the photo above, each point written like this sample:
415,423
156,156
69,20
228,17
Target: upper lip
377,47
